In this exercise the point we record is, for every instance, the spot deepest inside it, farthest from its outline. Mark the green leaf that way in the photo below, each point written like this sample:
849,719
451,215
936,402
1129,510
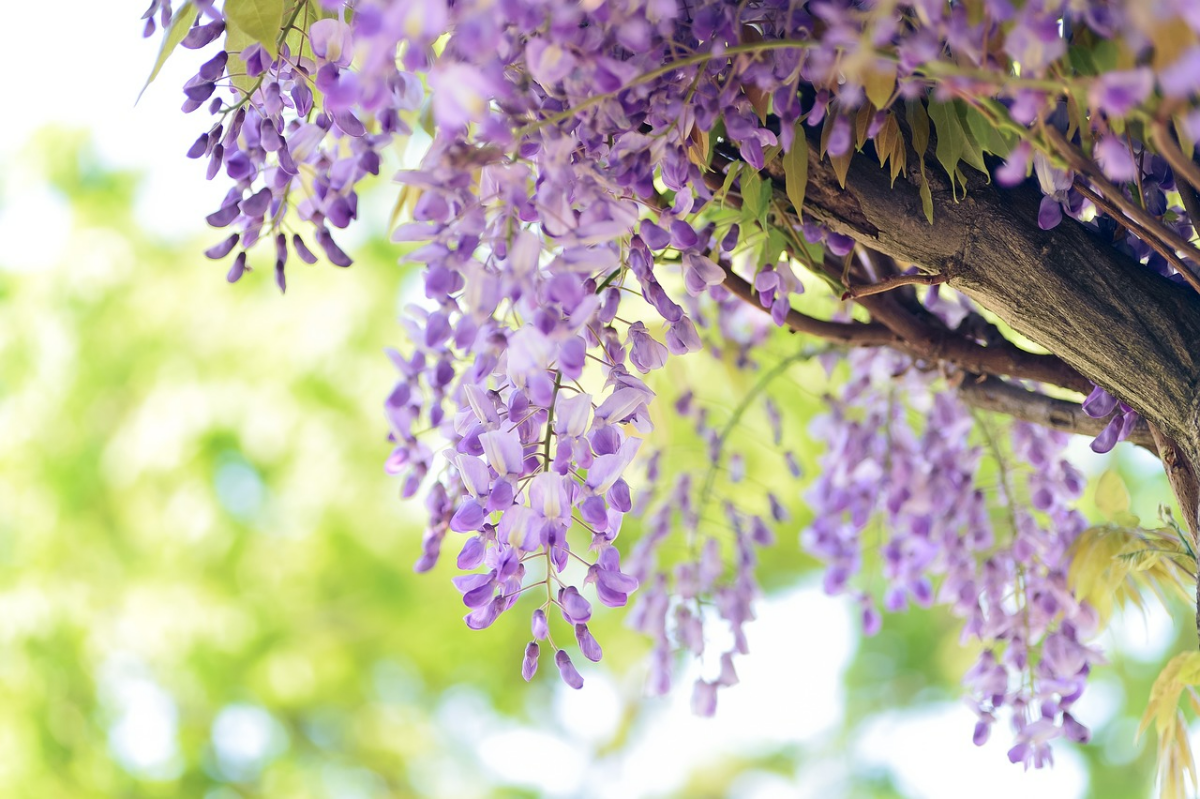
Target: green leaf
926,197
1112,498
774,246
879,82
261,20
752,195
1105,55
795,169
951,139
730,176
989,137
235,42
918,123
171,39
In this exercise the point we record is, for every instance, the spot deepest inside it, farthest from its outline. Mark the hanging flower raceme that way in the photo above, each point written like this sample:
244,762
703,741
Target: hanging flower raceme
573,215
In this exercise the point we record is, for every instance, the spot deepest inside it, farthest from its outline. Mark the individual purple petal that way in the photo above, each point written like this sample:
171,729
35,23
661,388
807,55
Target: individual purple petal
645,352
1182,77
566,669
587,643
468,518
575,608
201,35
1114,157
256,204
700,272
1015,168
238,269
331,40
1049,213
504,451
572,413
728,674
1108,436
223,248
256,59
619,497
333,252
472,553
704,698
214,68
839,137
1118,93
616,581
1129,421
529,663
682,337
594,511
199,148
483,617
540,625
1074,731
1099,403
302,250
223,217
655,237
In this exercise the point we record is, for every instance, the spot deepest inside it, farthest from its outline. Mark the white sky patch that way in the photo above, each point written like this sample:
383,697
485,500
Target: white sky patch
790,692
27,209
1144,637
143,735
95,90
930,754
245,738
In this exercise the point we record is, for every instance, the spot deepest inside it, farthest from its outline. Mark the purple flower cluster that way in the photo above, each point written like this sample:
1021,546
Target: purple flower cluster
1001,565
572,244
295,131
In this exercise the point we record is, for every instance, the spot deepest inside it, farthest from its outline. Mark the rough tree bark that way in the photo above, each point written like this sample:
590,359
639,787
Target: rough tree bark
1116,322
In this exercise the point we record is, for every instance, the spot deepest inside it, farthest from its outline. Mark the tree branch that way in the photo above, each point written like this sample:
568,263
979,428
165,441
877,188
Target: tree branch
855,334
1115,321
1000,396
865,290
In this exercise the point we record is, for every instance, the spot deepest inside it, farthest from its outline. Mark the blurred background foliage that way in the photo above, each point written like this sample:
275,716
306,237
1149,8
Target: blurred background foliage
206,585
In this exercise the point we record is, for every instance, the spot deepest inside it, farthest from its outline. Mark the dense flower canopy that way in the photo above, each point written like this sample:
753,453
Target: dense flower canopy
616,184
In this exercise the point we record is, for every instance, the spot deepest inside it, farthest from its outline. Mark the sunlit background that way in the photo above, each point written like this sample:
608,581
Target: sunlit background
205,576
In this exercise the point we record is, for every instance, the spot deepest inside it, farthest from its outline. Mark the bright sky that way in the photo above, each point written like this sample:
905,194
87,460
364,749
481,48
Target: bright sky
791,683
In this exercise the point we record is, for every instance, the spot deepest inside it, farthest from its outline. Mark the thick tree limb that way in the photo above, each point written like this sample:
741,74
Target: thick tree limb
999,396
1116,322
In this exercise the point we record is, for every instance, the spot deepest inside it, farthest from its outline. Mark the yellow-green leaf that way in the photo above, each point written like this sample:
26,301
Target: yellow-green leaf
235,42
261,20
752,195
172,36
1164,697
1112,497
926,197
862,123
841,166
918,123
795,169
879,82
1185,141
